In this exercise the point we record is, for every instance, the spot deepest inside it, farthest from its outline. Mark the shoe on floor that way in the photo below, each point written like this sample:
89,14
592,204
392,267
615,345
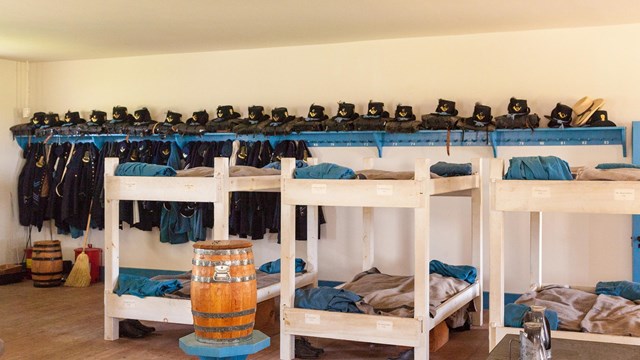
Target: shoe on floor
129,331
406,355
304,350
140,326
308,344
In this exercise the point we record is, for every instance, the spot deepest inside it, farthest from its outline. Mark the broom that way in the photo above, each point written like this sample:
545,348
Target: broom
80,275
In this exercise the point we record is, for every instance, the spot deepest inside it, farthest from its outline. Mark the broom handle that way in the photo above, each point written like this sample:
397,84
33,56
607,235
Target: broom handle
86,232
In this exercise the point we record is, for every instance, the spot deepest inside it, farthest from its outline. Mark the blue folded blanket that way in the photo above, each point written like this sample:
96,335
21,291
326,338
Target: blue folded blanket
448,169
277,165
462,272
325,171
142,169
142,286
626,289
514,316
327,298
538,168
273,267
607,166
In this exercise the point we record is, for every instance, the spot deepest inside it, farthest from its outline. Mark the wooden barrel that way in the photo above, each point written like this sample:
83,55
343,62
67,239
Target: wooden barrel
223,291
46,263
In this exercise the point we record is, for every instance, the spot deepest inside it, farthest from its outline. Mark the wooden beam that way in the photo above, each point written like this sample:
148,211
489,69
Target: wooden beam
112,249
287,258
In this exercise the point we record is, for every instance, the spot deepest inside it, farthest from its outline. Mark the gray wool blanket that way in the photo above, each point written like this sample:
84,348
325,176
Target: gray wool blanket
384,294
584,311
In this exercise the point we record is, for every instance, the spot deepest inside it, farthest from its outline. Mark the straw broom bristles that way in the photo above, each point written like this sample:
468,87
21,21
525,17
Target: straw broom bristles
80,275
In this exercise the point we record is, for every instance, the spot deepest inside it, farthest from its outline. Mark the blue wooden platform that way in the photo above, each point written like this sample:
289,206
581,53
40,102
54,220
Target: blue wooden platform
224,351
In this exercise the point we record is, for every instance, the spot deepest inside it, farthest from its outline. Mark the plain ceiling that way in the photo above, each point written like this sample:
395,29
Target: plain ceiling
46,30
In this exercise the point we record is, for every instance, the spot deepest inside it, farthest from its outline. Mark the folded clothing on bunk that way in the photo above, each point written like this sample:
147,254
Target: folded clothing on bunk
612,174
462,272
450,169
273,267
514,316
626,289
607,166
373,174
278,166
142,286
327,298
142,169
538,168
263,280
234,171
324,171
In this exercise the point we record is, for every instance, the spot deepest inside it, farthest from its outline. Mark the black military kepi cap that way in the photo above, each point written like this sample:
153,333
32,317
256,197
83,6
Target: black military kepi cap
316,113
97,117
73,118
226,112
446,107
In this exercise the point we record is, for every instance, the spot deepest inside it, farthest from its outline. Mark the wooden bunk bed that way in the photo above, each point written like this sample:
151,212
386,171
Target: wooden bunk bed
214,189
413,332
536,197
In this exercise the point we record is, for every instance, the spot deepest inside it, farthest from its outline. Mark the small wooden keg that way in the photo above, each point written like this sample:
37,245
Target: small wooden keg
223,291
46,263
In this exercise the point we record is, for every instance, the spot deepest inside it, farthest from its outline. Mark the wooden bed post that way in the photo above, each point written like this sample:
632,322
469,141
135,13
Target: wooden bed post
477,237
421,244
496,268
367,228
221,205
112,248
287,259
535,244
312,235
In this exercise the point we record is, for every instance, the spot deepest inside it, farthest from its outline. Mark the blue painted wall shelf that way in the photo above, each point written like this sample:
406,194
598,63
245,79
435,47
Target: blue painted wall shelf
561,137
380,139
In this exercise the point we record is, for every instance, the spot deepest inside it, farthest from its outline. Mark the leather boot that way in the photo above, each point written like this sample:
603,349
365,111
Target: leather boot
406,355
129,331
304,350
140,326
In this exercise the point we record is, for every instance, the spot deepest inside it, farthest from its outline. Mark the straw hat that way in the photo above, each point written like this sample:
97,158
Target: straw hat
584,108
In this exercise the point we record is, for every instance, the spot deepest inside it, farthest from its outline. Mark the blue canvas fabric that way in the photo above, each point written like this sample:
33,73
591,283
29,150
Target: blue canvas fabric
141,286
462,272
608,166
273,267
514,316
327,298
449,169
142,169
276,165
538,168
626,289
325,171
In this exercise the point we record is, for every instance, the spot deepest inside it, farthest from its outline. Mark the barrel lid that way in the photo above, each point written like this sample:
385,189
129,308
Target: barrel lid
222,244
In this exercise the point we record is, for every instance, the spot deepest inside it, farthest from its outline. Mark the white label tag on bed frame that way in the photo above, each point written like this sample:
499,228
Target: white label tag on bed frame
541,192
312,319
129,304
384,325
318,188
624,194
384,190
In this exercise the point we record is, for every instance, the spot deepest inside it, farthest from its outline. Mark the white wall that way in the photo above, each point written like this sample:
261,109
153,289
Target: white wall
11,96
544,67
